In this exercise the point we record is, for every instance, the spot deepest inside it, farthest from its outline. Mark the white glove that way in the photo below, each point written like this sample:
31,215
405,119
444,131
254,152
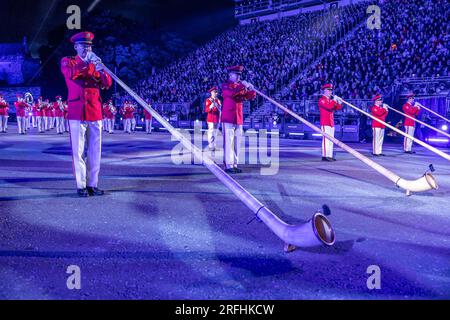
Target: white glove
93,58
385,106
248,85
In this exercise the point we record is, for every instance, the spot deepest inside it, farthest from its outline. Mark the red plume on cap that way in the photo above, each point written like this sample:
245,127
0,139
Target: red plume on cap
213,89
58,97
410,95
377,97
236,69
328,86
82,37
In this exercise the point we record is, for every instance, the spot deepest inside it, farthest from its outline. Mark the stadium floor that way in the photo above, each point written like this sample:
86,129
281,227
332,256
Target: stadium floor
167,231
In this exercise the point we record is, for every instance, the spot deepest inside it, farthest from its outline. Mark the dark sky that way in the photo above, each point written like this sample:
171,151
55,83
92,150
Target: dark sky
193,19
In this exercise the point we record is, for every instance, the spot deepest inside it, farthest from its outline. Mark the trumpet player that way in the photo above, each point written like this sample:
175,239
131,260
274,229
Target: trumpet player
39,105
111,116
411,109
21,108
4,109
379,111
133,118
327,106
59,115
46,114
213,108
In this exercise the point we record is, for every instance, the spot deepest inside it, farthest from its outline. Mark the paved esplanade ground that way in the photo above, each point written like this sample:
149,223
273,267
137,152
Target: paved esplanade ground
167,231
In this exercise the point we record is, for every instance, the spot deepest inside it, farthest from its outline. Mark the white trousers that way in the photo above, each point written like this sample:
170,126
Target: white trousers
41,124
407,143
3,123
34,121
110,123
148,126
46,123
327,145
59,125
378,138
232,138
127,125
89,134
212,134
133,124
21,124
27,123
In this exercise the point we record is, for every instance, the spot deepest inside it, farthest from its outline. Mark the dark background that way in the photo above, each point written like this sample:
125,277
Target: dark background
160,30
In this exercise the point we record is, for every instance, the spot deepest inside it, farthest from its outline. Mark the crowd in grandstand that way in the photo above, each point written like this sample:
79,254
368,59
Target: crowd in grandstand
413,42
271,52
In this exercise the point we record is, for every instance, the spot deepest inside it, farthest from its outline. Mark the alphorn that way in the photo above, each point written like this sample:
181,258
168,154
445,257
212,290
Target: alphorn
435,113
424,183
420,122
423,144
317,231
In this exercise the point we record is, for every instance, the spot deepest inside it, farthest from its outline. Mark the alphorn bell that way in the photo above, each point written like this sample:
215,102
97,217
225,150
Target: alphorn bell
424,183
317,231
423,144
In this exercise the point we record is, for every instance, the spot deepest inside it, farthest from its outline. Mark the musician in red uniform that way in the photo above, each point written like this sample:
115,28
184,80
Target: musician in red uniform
327,107
379,111
410,125
39,105
213,108
105,112
4,110
111,118
148,120
46,114
21,108
85,76
58,106
127,112
65,114
234,93
34,115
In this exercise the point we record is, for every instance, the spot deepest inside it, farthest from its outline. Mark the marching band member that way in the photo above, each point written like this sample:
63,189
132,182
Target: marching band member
4,108
85,76
21,107
148,120
104,116
213,108
111,117
27,117
234,92
379,111
133,118
127,112
34,115
46,114
59,114
65,114
410,125
40,115
327,107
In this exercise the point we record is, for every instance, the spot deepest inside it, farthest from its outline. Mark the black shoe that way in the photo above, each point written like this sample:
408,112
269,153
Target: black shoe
82,193
327,159
231,170
383,155
333,159
376,155
94,191
237,170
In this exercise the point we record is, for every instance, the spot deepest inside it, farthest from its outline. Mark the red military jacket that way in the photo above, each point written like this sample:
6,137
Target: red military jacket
380,113
105,111
84,84
58,111
4,108
233,96
212,108
21,108
411,111
327,108
147,115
